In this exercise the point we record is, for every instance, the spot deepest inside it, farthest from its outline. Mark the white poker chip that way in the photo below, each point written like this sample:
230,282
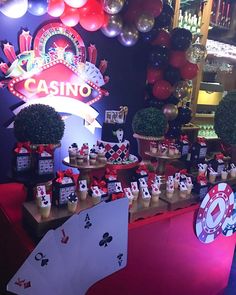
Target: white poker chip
215,208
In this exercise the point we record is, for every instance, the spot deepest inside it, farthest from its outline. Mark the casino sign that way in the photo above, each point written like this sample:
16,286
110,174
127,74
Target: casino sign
55,72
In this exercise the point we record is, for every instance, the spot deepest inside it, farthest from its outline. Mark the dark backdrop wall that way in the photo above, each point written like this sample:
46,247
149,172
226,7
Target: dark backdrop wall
127,71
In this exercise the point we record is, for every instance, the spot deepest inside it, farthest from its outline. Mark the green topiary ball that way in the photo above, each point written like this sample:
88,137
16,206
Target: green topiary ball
39,124
225,118
149,122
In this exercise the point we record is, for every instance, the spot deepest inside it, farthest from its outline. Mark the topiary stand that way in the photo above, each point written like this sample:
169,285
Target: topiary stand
144,144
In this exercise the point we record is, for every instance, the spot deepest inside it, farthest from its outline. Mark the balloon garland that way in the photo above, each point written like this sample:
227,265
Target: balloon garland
172,64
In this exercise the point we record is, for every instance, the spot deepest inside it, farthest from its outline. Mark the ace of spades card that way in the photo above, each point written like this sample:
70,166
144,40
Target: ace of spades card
103,242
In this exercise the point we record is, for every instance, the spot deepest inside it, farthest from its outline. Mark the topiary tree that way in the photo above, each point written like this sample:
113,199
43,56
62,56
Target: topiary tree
225,118
150,122
39,124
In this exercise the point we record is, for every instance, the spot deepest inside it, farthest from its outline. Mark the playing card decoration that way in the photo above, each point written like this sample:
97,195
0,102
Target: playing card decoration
22,157
84,250
44,160
215,209
198,150
63,186
201,186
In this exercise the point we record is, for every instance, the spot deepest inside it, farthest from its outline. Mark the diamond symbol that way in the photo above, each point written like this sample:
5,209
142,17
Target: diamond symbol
215,213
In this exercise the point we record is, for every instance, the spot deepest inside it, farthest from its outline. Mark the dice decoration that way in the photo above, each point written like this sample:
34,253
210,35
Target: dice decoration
23,157
63,186
45,160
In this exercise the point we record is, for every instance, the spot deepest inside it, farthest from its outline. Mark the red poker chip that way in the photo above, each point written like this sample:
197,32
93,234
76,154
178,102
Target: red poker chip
215,208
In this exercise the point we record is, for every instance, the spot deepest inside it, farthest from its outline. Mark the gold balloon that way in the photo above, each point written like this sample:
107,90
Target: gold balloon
113,6
170,111
196,53
183,89
145,23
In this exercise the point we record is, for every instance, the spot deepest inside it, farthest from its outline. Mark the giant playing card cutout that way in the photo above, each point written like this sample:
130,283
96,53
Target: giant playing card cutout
55,72
75,256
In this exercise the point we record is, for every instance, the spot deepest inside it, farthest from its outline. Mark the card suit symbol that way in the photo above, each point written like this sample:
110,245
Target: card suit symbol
82,186
88,224
44,262
45,202
146,193
27,285
106,239
19,282
119,257
64,238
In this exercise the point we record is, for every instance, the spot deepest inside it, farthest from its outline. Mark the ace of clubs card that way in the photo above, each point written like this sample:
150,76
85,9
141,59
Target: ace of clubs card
103,241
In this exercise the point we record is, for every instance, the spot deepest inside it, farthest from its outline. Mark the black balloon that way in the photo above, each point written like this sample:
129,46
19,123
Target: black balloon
148,93
184,115
149,36
165,18
173,132
155,103
172,100
181,39
172,75
158,57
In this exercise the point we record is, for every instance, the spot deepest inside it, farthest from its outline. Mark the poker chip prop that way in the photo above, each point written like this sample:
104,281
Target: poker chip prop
215,209
229,226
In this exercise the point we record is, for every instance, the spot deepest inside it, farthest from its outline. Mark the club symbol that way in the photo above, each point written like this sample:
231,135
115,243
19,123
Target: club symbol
106,239
40,257
119,257
88,224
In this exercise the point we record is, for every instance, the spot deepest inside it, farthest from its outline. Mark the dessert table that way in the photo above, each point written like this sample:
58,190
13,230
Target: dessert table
164,255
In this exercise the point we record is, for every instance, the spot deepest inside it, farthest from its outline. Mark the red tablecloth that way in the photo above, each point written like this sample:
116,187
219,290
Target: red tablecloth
164,255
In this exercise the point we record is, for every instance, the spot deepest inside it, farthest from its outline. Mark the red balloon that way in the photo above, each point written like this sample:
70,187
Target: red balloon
134,10
162,89
177,58
154,75
189,71
92,16
153,7
162,39
56,7
70,16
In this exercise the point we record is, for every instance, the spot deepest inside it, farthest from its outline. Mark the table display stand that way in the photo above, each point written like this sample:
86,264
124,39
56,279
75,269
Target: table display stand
162,161
126,171
138,211
37,226
85,168
177,202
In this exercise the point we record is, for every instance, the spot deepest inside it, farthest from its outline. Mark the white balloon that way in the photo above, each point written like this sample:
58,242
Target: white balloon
15,8
76,3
